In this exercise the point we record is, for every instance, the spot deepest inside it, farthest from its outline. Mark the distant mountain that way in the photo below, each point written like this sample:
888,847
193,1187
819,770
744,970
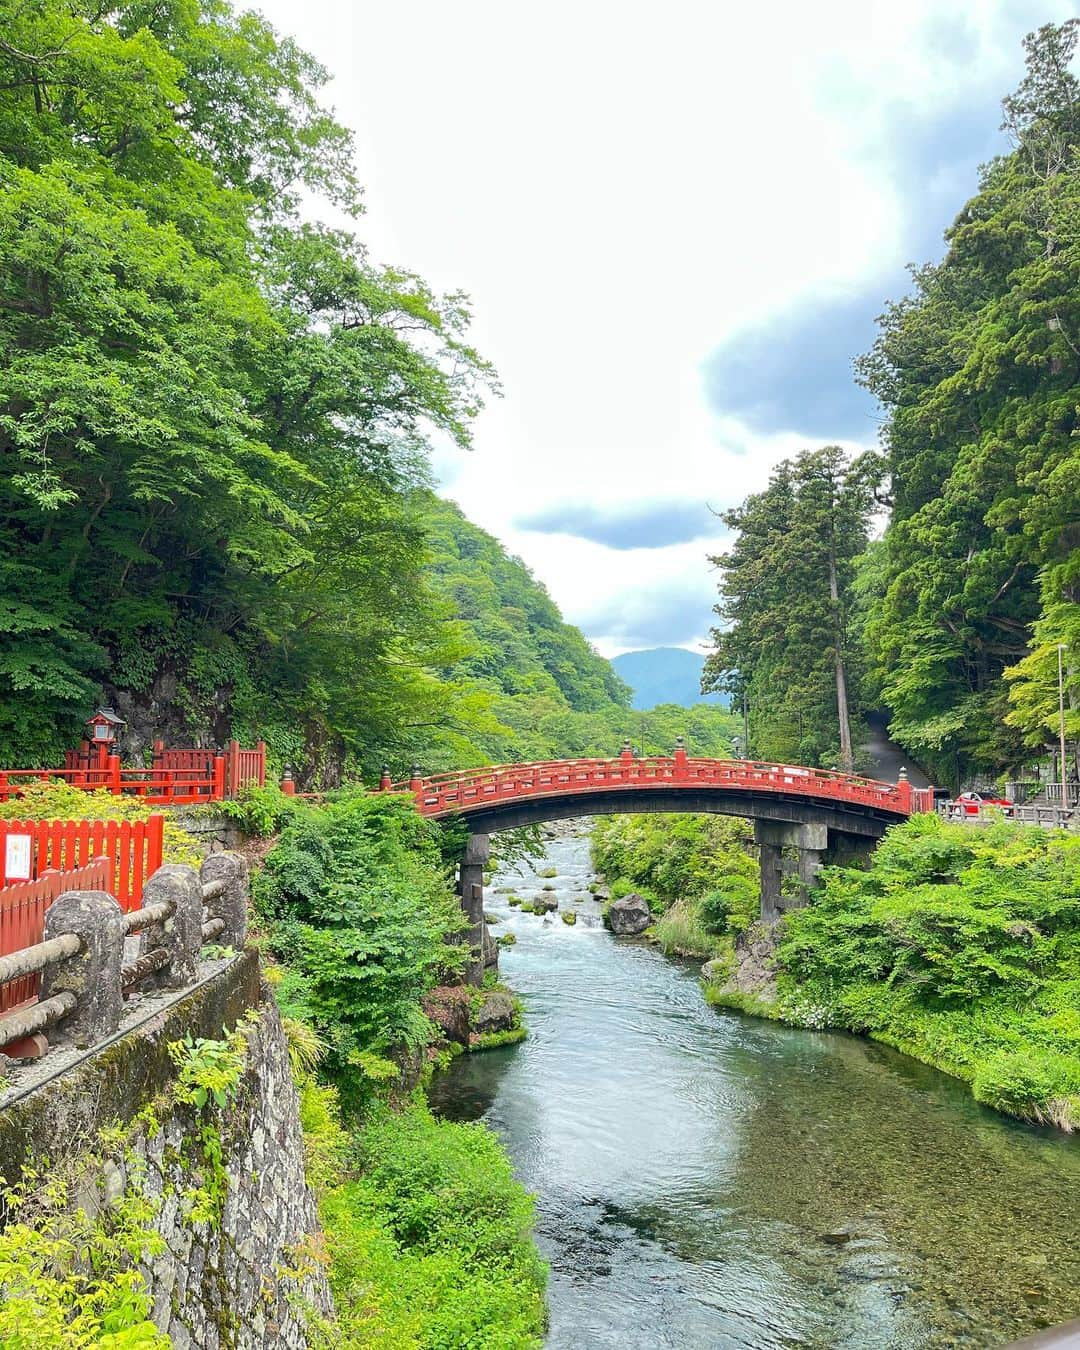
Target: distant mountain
664,675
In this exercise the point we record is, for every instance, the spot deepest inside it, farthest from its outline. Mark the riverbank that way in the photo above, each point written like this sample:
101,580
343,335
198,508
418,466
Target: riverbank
705,1179
427,1234
958,946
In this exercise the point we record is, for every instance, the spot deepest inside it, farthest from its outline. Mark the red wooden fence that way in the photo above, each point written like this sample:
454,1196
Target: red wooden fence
131,847
22,917
175,777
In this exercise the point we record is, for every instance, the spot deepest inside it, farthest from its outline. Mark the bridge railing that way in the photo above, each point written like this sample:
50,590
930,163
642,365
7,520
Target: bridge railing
84,962
441,793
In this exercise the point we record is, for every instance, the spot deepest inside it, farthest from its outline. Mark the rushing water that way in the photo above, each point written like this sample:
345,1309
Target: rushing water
705,1179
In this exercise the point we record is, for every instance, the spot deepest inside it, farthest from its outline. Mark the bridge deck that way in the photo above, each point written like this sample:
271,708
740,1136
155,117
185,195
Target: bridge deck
478,789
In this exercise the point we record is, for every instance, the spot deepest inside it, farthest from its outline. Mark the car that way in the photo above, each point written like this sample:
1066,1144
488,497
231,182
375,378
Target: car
973,803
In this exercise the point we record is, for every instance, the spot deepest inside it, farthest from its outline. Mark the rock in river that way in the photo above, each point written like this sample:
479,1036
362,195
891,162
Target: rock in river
629,915
496,1013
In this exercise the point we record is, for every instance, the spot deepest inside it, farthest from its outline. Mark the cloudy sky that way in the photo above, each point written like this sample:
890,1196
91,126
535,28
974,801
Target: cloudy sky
677,222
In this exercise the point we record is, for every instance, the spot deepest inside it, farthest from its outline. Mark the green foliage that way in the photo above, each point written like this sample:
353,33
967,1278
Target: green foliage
212,416
53,799
697,872
977,371
358,908
786,601
208,1074
427,1231
961,947
69,1281
259,810
208,1071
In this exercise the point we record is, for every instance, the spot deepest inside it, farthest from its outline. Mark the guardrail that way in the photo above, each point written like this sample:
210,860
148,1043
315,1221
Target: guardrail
81,959
444,794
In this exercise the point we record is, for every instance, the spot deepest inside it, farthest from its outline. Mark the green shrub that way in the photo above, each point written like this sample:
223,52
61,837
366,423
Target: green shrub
358,908
682,857
428,1233
260,810
958,946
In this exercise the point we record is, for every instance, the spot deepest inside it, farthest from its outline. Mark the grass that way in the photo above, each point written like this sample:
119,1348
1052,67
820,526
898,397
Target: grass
679,931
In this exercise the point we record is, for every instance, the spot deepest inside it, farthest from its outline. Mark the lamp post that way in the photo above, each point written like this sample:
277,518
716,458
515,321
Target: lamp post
1061,718
736,745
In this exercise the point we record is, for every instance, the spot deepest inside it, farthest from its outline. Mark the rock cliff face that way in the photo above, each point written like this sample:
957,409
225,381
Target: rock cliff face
753,975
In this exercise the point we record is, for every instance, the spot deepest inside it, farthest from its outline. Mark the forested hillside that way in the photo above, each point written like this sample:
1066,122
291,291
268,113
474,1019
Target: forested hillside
214,508
952,619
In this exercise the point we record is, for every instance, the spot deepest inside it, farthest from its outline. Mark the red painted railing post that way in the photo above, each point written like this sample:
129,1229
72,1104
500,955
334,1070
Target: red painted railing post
903,787
113,765
416,784
681,766
627,755
385,781
217,790
288,786
260,768
3,787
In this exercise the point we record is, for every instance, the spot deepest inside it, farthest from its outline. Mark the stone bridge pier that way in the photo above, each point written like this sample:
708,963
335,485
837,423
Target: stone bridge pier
814,845
482,950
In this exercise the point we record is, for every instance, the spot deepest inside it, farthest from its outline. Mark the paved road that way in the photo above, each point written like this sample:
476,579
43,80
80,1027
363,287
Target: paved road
888,757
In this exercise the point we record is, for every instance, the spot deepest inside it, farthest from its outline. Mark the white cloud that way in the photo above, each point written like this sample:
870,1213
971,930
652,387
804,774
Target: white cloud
621,186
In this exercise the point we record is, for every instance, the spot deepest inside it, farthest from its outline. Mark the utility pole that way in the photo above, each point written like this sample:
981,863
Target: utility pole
1061,720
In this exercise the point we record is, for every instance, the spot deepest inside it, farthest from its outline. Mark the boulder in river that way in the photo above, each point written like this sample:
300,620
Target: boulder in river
630,915
542,903
496,1013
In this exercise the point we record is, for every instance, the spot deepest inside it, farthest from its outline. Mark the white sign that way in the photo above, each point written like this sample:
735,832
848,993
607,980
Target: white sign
17,854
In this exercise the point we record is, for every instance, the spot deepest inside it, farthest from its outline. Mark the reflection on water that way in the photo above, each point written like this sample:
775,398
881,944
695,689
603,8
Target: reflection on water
704,1179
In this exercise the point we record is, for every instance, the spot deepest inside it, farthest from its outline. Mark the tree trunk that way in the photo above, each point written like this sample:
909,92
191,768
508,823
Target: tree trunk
847,760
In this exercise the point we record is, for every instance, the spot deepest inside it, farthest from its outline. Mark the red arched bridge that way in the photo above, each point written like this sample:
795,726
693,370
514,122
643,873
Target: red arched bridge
822,815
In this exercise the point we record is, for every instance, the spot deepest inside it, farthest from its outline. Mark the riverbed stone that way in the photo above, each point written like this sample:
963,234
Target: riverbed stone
630,915
448,1007
496,1013
544,903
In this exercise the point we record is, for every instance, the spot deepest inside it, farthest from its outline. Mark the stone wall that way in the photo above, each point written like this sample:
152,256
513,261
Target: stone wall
245,1278
244,1281
213,831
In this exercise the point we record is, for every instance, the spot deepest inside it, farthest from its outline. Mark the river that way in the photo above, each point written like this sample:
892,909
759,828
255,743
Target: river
705,1179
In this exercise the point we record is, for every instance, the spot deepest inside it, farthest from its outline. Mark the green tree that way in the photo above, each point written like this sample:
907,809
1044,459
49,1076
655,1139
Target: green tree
786,604
212,417
978,372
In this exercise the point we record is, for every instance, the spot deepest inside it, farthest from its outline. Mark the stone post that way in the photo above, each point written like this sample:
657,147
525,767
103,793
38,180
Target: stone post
93,976
231,903
181,933
471,890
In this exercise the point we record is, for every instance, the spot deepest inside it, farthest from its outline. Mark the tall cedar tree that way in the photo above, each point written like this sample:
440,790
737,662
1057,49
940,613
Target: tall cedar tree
979,373
785,599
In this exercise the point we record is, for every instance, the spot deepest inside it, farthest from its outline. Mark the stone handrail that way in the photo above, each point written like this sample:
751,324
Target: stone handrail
84,976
